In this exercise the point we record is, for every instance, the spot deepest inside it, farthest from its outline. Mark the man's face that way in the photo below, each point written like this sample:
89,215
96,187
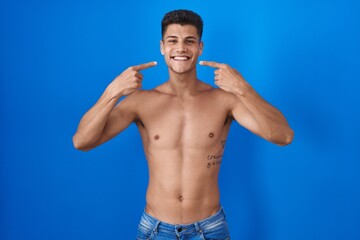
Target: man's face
181,47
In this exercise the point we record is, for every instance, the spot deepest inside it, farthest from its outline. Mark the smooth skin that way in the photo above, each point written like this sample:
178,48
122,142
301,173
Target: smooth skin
183,123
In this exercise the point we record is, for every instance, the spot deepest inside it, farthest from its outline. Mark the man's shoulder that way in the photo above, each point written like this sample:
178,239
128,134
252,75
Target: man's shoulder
158,91
209,90
144,95
219,93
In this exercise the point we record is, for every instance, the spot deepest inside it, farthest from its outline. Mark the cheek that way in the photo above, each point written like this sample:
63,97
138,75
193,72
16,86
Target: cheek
167,51
197,51
167,54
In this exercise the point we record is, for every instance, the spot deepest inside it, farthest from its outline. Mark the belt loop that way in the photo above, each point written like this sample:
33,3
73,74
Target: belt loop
155,230
223,212
197,227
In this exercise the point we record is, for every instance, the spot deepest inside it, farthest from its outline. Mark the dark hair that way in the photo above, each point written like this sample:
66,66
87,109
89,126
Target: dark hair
182,17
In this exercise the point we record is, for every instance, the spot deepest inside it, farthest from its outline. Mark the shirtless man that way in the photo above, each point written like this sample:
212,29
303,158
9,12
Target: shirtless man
184,124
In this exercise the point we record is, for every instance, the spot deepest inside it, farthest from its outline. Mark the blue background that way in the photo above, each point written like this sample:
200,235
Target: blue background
57,57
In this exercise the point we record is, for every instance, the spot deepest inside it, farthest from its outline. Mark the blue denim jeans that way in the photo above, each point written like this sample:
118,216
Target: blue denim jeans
212,228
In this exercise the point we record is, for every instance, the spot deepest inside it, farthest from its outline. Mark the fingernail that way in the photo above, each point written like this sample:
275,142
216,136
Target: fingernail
155,62
201,62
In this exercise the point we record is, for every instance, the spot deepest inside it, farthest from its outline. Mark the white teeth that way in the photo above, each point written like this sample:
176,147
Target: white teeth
181,58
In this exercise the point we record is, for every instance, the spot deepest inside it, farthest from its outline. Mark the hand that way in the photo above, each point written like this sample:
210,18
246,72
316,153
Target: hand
130,80
227,78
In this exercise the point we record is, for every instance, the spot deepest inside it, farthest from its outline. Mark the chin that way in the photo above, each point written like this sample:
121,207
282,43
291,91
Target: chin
180,70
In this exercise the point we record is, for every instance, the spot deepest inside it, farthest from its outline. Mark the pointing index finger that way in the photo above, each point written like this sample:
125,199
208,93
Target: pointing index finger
211,64
144,66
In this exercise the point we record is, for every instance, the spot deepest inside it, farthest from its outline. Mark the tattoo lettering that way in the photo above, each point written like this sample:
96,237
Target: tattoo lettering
211,157
217,158
214,160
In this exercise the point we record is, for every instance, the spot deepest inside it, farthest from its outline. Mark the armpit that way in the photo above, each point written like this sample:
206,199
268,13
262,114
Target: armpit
229,118
139,123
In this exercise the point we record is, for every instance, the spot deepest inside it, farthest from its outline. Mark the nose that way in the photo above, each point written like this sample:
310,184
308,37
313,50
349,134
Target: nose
181,48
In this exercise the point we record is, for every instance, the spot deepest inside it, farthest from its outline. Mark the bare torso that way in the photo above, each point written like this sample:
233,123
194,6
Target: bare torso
183,124
184,142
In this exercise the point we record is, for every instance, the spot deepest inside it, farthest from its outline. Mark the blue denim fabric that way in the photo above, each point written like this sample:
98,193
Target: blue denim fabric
212,228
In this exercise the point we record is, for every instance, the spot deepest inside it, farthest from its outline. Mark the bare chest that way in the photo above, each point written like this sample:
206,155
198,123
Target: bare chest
170,124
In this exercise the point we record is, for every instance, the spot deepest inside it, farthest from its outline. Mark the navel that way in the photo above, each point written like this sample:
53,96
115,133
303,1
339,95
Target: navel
211,135
156,137
181,198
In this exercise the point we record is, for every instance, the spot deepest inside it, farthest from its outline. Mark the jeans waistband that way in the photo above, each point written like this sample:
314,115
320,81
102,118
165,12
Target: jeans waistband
151,222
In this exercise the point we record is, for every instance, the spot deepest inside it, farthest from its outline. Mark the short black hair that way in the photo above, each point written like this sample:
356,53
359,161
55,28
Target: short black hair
182,17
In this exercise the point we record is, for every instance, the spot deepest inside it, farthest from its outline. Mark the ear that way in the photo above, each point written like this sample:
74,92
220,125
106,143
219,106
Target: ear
162,47
201,47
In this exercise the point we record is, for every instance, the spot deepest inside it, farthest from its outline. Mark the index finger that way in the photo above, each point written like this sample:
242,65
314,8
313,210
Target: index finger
211,64
144,66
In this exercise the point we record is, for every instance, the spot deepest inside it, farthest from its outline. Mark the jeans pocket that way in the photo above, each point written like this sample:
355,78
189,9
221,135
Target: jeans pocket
144,232
216,230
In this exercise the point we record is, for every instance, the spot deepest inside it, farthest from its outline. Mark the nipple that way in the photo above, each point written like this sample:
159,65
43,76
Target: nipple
211,135
156,137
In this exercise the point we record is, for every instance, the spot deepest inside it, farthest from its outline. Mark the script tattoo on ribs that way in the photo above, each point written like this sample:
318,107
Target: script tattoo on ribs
215,159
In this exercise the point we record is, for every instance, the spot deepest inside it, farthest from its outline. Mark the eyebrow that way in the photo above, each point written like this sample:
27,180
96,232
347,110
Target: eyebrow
189,37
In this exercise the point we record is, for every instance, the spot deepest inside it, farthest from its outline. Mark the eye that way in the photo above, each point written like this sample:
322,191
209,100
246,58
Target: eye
172,41
190,41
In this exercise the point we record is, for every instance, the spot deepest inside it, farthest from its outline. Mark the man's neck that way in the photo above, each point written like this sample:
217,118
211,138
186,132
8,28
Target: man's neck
184,84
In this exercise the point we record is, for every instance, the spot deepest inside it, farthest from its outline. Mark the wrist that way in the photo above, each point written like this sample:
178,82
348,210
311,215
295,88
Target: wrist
242,89
113,92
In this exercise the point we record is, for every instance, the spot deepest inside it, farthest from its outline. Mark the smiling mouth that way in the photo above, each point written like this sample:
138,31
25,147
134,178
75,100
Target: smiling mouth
180,58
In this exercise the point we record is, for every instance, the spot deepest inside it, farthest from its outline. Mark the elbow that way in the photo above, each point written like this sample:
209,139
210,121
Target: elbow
287,138
281,138
79,145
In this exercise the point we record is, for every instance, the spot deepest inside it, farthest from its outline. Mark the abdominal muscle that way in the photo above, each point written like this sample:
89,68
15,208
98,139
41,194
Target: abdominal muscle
182,188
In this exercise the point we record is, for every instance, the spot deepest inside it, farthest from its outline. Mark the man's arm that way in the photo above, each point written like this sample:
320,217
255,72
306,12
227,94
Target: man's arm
250,109
104,121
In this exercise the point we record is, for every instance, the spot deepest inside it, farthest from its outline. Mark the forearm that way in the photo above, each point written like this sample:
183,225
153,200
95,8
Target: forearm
272,122
93,122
